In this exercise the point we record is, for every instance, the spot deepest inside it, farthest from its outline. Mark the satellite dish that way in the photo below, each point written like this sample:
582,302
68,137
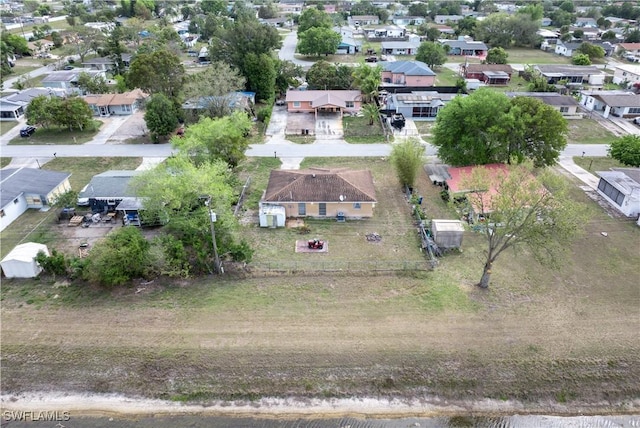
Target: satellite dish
341,198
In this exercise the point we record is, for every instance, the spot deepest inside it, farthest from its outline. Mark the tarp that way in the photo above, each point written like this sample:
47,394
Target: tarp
21,263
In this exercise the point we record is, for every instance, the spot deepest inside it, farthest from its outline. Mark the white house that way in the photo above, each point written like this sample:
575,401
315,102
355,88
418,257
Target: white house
617,103
445,19
13,106
621,188
68,79
626,73
24,188
21,261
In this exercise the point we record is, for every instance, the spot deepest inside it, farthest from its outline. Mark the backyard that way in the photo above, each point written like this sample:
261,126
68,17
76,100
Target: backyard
560,340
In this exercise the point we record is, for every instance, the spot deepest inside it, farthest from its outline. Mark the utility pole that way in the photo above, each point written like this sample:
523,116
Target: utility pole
217,266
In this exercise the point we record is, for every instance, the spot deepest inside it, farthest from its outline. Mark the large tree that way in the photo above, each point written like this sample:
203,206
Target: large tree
368,80
222,138
287,75
324,75
497,56
536,213
626,150
213,89
592,51
318,41
157,72
260,71
313,18
487,127
407,158
432,54
160,116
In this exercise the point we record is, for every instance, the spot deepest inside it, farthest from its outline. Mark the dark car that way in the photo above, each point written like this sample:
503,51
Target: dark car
371,59
27,131
68,67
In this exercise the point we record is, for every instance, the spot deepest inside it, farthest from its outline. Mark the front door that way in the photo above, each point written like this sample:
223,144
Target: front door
302,209
322,209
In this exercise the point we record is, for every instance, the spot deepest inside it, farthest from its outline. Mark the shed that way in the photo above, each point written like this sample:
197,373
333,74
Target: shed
21,263
447,233
272,215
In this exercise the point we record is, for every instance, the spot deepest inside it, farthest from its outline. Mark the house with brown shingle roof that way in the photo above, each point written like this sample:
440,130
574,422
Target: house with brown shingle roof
632,48
123,104
490,74
323,101
321,193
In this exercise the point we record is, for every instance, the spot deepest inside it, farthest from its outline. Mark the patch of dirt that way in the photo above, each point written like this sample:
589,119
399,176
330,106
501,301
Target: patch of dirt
74,238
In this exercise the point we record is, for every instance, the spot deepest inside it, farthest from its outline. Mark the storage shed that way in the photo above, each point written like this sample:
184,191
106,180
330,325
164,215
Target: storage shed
21,263
447,234
272,215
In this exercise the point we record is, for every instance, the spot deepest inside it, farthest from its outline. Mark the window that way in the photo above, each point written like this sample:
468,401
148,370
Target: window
322,208
15,201
349,104
425,112
296,103
611,192
2,214
302,208
634,110
564,109
356,205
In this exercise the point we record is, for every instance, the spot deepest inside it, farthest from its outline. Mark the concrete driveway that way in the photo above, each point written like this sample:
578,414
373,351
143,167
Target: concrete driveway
278,121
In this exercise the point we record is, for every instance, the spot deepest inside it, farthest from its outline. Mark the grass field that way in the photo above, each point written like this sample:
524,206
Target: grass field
539,335
593,164
58,135
588,131
358,131
7,126
446,77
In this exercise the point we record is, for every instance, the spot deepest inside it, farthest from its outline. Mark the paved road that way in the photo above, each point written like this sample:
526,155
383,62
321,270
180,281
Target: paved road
288,51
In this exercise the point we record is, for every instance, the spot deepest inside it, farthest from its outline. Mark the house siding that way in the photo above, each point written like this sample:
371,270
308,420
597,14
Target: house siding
12,211
333,208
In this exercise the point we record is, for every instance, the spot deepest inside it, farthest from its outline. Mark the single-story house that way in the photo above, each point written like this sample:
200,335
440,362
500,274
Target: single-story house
618,103
632,48
573,74
445,19
361,20
629,73
24,188
584,21
243,101
490,74
388,33
465,48
565,104
106,190
321,193
124,104
569,49
13,106
408,20
621,188
444,29
318,102
409,47
546,22
21,261
419,104
290,8
349,45
106,63
407,73
280,22
68,79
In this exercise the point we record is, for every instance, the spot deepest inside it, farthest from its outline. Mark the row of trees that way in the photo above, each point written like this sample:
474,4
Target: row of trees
71,113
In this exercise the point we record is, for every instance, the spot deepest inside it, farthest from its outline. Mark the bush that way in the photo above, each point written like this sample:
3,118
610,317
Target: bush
169,257
55,264
264,114
241,252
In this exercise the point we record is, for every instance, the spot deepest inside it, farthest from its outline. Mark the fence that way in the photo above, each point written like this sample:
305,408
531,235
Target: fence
242,195
340,266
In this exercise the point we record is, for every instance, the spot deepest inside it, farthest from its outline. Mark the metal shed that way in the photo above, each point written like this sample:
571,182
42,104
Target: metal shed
447,234
21,261
272,216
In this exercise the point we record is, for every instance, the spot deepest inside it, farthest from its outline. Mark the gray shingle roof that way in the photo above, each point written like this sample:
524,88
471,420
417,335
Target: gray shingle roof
619,100
109,185
550,98
15,181
409,68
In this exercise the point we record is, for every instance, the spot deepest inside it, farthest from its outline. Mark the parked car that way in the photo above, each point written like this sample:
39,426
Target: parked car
27,131
68,67
636,120
371,59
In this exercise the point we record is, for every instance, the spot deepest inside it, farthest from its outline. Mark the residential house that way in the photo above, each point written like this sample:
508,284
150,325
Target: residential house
68,79
286,7
545,22
621,188
243,101
124,104
465,48
319,102
626,73
13,106
589,34
573,74
106,63
617,103
549,39
423,105
362,20
444,29
407,73
447,19
631,48
408,20
409,47
321,193
106,190
586,22
388,33
24,188
349,45
565,104
569,49
280,22
489,74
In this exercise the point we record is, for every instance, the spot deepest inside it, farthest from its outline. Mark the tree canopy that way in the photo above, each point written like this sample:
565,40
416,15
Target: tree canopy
488,127
534,212
318,41
497,56
160,116
71,112
503,30
214,88
157,72
313,18
626,150
592,51
432,54
407,159
367,79
324,75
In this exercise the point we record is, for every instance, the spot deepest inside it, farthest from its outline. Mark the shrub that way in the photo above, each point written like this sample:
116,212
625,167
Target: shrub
264,114
55,264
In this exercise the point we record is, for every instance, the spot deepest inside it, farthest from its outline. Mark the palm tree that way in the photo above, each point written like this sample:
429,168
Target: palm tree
370,112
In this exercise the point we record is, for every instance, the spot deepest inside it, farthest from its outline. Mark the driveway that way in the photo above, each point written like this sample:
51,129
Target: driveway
278,121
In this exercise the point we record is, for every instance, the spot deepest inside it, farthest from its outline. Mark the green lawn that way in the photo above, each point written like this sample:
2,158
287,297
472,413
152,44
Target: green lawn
56,135
588,131
7,126
446,77
534,56
301,139
4,162
358,131
593,164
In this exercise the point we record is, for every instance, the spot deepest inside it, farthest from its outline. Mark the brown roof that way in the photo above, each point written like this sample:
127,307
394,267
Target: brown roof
320,185
629,46
479,68
125,98
318,98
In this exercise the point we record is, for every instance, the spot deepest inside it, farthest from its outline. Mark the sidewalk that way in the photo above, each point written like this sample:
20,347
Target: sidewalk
582,174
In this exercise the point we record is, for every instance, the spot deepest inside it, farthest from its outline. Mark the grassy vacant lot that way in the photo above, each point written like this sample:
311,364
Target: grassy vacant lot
588,131
446,77
7,126
4,162
58,135
539,335
358,131
34,225
593,164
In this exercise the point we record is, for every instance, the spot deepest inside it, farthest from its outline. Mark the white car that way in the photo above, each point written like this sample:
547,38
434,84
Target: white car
83,202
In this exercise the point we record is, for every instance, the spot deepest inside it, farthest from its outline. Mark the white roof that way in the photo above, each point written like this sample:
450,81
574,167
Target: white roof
26,252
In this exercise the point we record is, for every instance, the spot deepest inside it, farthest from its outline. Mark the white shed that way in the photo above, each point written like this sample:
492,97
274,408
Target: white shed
21,263
272,215
447,233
